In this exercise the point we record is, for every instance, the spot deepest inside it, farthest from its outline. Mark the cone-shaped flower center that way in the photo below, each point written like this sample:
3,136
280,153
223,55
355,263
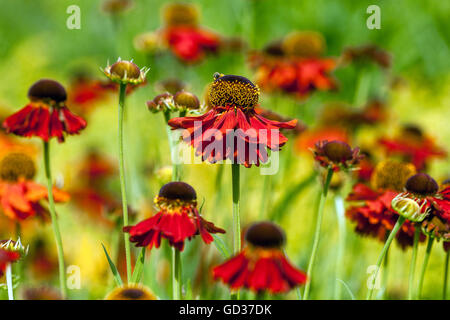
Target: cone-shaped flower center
47,89
16,165
392,175
180,14
304,44
422,184
233,90
265,234
338,151
178,191
125,68
187,100
412,132
131,292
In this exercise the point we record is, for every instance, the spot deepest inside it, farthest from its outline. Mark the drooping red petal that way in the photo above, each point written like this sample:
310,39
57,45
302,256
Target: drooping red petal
73,124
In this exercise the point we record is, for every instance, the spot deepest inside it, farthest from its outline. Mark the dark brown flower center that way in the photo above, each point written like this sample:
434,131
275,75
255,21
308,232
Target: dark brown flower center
422,184
132,294
16,165
233,90
47,89
178,191
337,151
265,234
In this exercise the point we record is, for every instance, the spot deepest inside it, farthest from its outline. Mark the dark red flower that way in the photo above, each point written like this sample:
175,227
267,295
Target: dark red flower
367,53
336,154
6,257
413,146
261,265
374,215
177,220
232,129
46,116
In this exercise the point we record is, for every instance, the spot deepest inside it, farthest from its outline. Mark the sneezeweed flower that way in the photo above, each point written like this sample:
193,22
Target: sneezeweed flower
294,65
125,72
46,115
374,215
131,292
20,197
421,197
177,220
183,35
336,155
233,120
308,139
413,145
261,265
182,101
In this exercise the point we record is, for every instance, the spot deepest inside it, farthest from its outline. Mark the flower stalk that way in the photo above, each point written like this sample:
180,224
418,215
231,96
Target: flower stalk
235,177
424,266
412,267
383,253
9,282
123,188
323,198
55,225
447,259
176,274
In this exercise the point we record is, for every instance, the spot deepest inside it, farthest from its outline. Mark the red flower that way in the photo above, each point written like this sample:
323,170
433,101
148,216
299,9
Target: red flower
261,265
375,216
337,155
414,146
46,116
6,257
177,220
190,44
294,66
84,92
232,129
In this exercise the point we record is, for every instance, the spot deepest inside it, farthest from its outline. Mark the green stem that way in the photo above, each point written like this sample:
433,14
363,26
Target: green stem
9,282
176,274
236,214
176,174
412,267
323,198
123,188
56,233
340,212
444,293
362,89
267,184
386,246
424,266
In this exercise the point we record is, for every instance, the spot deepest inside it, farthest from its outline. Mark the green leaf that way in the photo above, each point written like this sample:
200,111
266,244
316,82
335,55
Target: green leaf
221,246
139,267
113,268
347,288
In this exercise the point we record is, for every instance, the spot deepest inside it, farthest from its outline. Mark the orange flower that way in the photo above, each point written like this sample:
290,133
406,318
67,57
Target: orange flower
21,198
